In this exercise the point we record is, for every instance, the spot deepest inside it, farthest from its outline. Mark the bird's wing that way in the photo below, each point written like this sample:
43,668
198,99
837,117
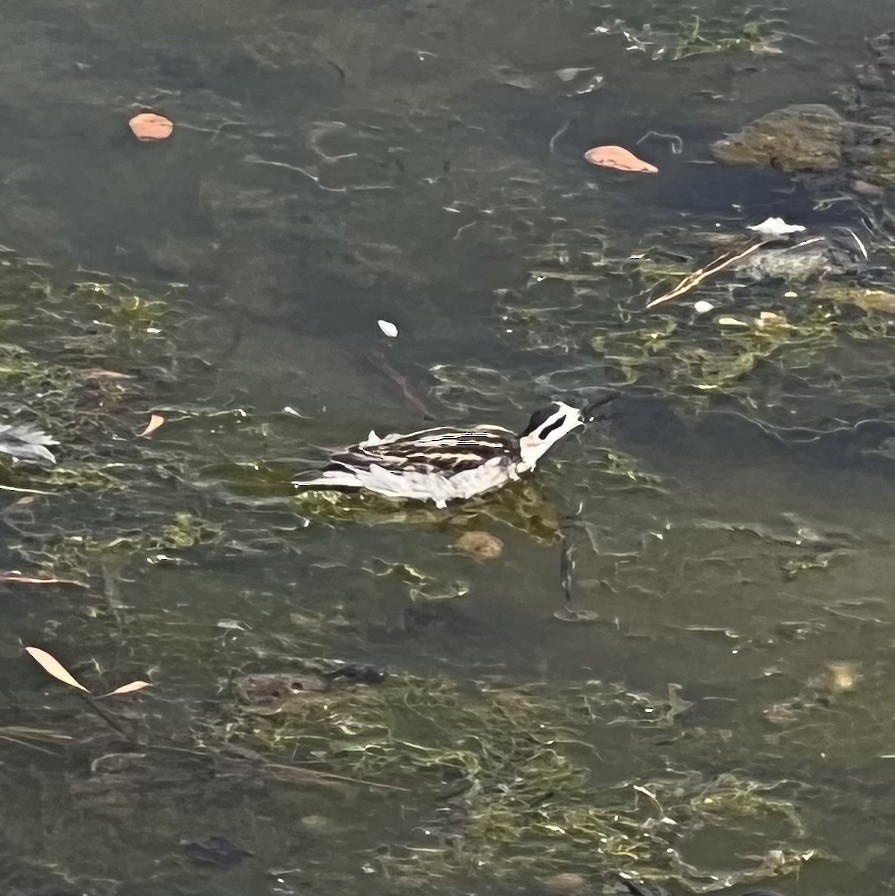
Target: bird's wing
442,450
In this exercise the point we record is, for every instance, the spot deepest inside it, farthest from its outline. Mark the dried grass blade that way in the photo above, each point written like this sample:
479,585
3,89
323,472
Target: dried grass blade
17,578
25,732
24,491
691,281
53,667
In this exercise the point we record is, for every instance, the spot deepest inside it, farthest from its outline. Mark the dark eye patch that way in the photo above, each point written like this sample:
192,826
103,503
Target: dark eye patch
539,418
555,425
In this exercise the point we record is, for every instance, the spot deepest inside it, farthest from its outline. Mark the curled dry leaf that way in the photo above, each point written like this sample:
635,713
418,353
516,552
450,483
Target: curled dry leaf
149,127
155,421
619,158
53,667
130,688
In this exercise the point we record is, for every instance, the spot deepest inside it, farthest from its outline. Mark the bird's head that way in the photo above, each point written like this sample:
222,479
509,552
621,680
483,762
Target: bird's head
547,426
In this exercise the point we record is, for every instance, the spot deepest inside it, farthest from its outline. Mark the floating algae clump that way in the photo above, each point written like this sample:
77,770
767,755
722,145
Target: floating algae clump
521,506
78,554
509,769
667,353
70,363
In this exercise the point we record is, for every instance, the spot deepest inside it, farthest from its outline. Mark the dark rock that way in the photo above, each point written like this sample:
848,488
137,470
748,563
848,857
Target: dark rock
869,152
864,189
217,851
875,97
797,138
814,138
276,688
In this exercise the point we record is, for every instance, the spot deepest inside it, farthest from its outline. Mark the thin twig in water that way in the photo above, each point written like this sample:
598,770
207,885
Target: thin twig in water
111,721
17,578
24,491
25,737
567,550
378,362
240,754
677,144
691,281
567,566
110,588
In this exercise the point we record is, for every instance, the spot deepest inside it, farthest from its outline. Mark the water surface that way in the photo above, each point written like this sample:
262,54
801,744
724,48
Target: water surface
421,163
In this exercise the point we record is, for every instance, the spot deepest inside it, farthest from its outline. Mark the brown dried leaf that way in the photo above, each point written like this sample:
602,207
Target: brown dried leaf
53,667
155,421
130,688
149,127
619,158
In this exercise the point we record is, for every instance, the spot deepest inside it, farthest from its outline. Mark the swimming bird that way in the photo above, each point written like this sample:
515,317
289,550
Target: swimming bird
445,464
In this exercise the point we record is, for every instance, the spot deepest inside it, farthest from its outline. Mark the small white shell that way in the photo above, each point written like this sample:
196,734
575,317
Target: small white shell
702,307
388,328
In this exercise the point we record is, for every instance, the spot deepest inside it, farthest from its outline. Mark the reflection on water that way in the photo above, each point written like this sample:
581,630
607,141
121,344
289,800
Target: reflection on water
421,163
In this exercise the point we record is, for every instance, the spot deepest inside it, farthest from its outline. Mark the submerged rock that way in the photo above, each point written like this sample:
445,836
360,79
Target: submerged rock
268,688
869,152
797,138
814,138
875,95
808,259
481,545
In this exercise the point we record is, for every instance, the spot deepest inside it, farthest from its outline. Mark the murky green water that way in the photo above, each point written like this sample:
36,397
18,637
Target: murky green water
420,163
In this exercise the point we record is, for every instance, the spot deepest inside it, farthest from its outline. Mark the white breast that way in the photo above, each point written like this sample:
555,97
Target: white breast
438,487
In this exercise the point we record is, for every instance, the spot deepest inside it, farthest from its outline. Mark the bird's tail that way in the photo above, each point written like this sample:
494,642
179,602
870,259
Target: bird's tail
326,479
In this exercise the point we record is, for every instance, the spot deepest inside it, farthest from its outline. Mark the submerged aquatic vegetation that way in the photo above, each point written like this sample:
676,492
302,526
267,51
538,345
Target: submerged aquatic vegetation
66,351
509,769
74,363
682,33
803,313
69,554
522,506
758,36
844,712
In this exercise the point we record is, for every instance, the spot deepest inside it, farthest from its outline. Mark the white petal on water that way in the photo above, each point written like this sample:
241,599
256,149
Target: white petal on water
388,328
732,322
702,307
775,227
